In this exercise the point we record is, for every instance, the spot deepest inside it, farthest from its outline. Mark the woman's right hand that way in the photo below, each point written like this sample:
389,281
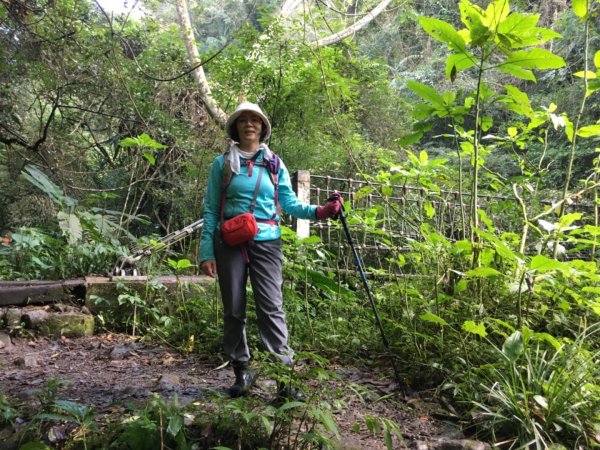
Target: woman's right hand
209,267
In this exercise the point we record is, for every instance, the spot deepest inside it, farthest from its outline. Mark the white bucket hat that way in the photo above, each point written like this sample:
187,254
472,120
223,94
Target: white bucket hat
253,107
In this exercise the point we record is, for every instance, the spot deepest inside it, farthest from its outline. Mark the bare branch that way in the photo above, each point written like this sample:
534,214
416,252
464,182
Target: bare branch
358,25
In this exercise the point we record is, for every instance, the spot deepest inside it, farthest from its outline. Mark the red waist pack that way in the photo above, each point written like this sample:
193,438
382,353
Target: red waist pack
239,229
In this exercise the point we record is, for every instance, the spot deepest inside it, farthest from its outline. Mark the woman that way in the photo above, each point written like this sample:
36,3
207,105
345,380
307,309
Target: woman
245,189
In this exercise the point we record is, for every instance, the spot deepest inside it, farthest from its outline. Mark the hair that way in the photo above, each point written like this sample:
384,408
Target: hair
236,136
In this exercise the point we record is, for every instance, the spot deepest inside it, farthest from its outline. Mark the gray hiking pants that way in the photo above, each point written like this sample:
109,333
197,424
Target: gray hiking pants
264,269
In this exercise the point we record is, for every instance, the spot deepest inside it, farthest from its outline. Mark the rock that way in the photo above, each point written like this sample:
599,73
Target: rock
26,361
5,341
13,318
33,318
69,325
120,352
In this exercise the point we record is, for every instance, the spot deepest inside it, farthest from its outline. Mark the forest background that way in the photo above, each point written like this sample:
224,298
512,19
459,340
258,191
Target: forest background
109,124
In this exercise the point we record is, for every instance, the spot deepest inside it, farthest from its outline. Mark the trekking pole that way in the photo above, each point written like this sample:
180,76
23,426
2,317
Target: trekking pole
363,276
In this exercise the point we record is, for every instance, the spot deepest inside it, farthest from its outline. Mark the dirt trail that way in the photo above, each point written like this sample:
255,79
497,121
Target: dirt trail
112,372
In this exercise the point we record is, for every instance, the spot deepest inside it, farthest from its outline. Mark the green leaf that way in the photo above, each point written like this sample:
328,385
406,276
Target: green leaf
513,346
443,32
519,101
429,209
472,17
143,140
150,157
546,337
147,141
517,24
568,219
483,272
496,12
267,424
458,62
540,400
290,405
184,263
329,422
569,129
410,139
431,317
589,131
70,226
128,142
516,71
34,446
175,424
426,93
461,286
585,73
475,328
536,58
580,7
542,264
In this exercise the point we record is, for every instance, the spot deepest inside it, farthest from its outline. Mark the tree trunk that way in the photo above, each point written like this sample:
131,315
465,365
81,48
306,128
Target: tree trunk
213,109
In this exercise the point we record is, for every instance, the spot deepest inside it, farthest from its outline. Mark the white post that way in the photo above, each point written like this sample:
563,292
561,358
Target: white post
301,185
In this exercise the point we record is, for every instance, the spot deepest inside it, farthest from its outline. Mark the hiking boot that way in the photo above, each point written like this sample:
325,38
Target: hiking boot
244,380
288,392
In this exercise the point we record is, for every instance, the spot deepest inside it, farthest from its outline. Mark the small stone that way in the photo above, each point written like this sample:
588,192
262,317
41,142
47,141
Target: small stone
26,362
169,381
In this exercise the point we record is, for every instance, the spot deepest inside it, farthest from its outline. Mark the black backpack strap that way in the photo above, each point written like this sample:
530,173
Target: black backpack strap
254,196
273,166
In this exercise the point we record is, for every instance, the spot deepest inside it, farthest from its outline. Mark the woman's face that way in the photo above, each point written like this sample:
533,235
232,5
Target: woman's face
249,126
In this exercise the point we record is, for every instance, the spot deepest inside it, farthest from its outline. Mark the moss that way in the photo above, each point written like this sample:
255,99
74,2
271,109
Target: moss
69,325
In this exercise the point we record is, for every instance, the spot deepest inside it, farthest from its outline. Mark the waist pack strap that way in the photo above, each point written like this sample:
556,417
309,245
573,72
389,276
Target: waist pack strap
269,221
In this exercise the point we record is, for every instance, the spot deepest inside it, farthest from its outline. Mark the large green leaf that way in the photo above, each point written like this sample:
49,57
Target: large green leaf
443,32
517,71
518,24
589,131
520,101
458,62
474,328
474,19
426,93
541,264
513,346
433,318
40,180
483,272
70,226
536,58
496,12
580,7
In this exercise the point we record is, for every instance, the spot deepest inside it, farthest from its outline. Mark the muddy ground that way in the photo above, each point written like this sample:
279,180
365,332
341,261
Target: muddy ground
112,373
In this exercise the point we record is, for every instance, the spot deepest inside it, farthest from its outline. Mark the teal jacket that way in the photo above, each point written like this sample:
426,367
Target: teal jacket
239,196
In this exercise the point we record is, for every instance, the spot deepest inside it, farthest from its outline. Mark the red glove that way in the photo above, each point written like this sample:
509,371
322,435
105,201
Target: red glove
331,208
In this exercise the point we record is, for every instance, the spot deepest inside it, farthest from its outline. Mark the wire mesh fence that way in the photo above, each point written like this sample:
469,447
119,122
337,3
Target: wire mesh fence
390,219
